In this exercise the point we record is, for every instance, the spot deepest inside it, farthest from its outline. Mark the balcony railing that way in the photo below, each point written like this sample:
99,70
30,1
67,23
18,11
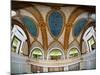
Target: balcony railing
47,63
54,63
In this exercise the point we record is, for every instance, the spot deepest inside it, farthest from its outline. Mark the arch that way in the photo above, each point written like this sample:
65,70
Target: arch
31,25
20,30
73,52
55,22
23,31
90,24
37,44
18,37
55,52
37,53
74,43
89,37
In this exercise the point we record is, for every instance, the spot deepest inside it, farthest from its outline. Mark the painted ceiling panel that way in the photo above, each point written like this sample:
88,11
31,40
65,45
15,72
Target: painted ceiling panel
55,23
31,25
79,25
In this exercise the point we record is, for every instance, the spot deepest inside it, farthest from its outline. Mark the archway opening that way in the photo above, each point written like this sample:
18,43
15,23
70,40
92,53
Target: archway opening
37,53
56,54
73,53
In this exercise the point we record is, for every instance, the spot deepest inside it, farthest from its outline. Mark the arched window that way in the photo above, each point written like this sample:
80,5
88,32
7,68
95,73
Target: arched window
55,22
89,36
18,36
55,54
31,25
37,53
73,52
79,25
92,43
15,45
